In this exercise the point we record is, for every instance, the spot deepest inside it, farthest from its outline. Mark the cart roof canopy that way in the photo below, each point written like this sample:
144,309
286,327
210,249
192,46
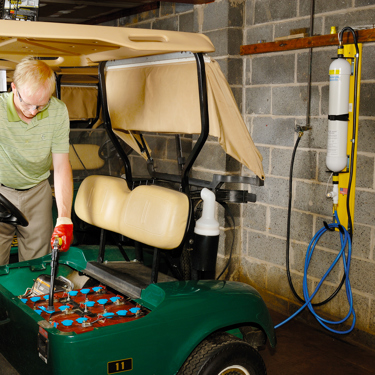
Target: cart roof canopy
157,97
85,45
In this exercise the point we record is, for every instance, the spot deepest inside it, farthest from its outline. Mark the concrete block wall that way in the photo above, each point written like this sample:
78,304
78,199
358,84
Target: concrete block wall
275,96
271,92
223,24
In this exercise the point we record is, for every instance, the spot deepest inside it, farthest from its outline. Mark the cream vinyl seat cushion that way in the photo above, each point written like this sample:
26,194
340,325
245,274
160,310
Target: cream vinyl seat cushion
150,214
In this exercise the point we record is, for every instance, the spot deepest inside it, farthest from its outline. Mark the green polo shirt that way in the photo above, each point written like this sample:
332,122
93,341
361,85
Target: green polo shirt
26,149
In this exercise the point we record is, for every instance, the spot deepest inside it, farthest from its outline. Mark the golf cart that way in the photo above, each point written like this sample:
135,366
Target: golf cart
149,303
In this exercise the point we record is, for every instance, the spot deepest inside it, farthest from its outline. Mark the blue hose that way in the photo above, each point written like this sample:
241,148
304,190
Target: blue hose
345,241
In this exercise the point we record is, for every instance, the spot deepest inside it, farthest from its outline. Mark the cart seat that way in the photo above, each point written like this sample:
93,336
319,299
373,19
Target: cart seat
150,214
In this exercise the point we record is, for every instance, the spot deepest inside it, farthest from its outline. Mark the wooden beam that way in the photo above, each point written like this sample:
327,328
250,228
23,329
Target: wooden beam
363,36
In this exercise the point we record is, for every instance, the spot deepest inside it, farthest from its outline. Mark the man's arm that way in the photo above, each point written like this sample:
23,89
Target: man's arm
63,183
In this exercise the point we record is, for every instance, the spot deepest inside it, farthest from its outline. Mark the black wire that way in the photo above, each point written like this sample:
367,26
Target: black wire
287,257
80,160
308,109
350,220
226,208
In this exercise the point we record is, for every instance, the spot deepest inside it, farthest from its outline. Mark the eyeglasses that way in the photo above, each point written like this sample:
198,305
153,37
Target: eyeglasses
33,107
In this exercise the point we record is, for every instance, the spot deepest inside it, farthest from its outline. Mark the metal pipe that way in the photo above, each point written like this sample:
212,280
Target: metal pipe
108,127
203,103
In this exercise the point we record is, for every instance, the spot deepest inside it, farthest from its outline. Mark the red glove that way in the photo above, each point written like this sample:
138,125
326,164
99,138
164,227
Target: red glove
63,230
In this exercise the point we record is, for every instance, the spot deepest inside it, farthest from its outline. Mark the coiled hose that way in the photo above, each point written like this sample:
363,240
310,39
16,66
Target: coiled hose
346,258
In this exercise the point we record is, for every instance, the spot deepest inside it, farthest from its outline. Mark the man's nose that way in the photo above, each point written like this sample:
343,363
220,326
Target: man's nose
34,111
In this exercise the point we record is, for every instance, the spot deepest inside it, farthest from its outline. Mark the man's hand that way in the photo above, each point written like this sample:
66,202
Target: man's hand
63,230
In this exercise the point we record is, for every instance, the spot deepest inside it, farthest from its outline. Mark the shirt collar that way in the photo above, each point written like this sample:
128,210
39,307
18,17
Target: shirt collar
13,115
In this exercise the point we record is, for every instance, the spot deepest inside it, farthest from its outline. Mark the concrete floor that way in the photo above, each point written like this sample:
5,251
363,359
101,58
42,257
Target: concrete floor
300,350
6,368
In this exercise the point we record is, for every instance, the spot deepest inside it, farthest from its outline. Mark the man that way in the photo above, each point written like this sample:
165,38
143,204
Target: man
34,131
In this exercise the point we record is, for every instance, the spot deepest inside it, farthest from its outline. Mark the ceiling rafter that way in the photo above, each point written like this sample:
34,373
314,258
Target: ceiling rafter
95,12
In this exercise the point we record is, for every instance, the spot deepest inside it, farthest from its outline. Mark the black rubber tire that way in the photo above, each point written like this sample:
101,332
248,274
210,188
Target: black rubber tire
223,354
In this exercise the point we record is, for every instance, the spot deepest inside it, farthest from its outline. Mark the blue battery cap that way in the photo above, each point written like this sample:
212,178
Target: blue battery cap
122,312
50,309
64,307
67,322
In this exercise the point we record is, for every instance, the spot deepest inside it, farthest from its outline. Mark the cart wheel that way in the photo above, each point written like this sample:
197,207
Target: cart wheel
223,354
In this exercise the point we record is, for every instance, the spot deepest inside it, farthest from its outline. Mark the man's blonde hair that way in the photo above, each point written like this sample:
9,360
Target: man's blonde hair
35,74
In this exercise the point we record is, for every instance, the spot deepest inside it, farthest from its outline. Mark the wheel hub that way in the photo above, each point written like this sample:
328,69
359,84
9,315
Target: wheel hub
234,370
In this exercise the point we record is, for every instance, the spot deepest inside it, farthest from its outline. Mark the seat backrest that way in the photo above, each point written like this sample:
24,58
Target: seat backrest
150,214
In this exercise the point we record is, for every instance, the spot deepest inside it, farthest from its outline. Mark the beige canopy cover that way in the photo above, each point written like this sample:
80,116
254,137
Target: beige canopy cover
150,98
79,91
164,98
80,101
86,45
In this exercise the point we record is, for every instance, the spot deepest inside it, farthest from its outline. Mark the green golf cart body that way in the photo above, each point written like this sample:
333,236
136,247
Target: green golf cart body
149,315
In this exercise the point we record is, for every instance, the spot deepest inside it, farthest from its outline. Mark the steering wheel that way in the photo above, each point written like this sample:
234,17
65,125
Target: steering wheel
10,214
